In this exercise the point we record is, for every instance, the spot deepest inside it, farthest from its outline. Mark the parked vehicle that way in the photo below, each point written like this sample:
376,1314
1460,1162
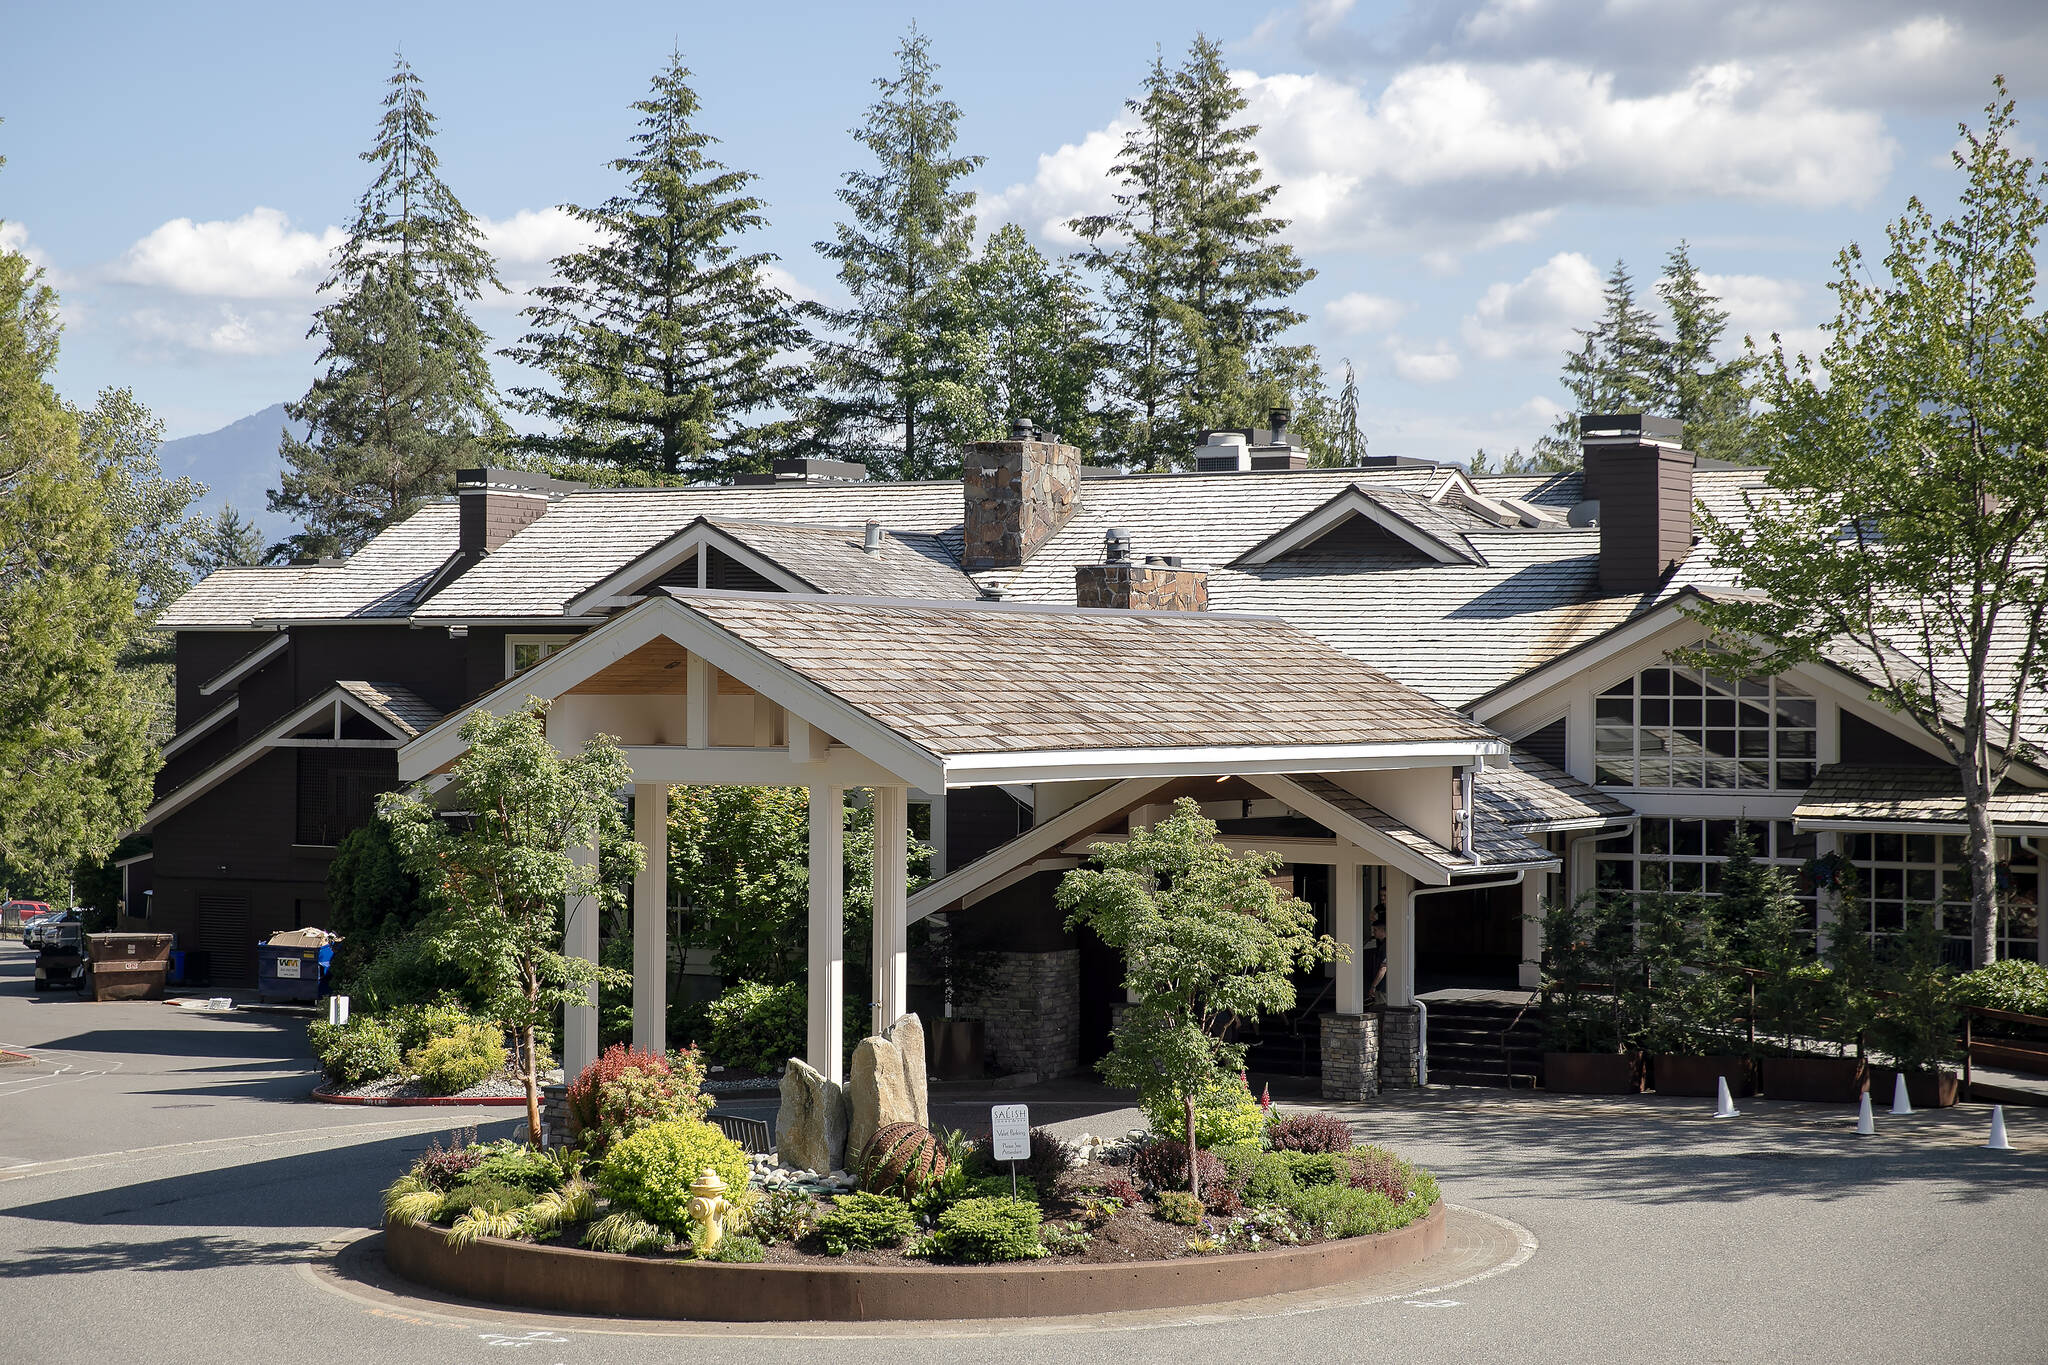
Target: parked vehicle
32,936
20,914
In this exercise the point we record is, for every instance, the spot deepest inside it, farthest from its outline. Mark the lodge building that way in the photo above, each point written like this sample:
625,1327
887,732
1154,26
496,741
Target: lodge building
1439,698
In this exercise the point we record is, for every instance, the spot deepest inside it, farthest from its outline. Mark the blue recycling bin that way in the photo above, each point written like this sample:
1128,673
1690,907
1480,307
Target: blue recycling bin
291,972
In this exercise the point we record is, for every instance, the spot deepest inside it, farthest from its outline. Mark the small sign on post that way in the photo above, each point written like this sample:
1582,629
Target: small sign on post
1011,1126
337,1009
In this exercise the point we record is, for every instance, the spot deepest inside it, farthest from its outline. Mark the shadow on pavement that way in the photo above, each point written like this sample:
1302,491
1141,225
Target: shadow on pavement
175,1253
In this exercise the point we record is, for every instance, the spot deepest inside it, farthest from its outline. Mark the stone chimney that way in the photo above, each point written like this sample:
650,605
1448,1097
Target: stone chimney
1642,478
1158,584
496,504
1018,493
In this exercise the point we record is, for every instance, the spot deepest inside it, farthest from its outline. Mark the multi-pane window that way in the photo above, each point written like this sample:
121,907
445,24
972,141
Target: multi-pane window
523,652
1897,872
1688,729
1681,855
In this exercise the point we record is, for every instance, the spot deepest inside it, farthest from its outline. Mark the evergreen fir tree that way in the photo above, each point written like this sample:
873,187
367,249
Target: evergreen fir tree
406,398
1616,368
1195,274
912,232
1711,397
668,347
228,541
1348,442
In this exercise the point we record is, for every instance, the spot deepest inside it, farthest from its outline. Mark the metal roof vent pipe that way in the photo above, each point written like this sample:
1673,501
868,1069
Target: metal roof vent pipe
1278,419
1021,429
871,539
1116,545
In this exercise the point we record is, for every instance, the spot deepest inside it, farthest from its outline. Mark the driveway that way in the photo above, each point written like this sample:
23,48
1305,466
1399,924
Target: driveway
167,1193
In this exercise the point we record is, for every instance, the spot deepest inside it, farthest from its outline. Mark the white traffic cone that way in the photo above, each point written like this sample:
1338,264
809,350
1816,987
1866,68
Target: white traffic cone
1900,1103
1866,1126
1724,1103
1998,1141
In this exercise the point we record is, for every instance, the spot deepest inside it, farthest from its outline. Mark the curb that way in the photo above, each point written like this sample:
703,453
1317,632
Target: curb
325,1096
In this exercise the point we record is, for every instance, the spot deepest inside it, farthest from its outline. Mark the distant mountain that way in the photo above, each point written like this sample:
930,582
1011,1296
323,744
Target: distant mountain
237,464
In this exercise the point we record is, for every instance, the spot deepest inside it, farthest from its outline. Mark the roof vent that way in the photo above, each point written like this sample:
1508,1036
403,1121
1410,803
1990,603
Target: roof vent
1116,545
1223,452
1584,515
1020,429
1162,561
871,539
1278,419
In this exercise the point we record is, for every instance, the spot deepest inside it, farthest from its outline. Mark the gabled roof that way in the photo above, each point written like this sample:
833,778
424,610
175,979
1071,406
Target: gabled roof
382,581
1434,532
1494,847
398,712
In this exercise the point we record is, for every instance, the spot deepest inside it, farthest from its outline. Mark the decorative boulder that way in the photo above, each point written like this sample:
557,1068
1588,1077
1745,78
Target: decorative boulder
887,1083
810,1125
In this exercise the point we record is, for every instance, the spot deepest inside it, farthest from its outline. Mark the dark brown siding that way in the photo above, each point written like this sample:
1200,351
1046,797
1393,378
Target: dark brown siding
203,655
730,574
979,819
1548,744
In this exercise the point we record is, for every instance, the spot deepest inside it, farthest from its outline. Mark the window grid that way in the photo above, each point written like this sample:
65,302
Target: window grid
1689,729
1675,854
1896,872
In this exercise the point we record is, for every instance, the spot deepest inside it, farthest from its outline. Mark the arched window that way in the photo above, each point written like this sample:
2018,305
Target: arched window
1689,729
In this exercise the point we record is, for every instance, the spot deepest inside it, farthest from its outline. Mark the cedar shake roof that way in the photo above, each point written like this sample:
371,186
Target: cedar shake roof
993,679
1856,794
401,707
831,559
1529,793
380,581
1493,845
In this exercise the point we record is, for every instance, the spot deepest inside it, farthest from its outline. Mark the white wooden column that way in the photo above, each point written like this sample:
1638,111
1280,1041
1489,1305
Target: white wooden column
1530,973
825,995
1400,939
892,880
650,919
1348,927
579,939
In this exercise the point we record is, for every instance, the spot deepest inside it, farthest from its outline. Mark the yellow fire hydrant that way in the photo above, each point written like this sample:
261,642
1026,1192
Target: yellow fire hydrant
708,1208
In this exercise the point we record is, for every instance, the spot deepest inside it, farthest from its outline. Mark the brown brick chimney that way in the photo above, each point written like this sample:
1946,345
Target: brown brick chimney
496,504
1642,478
1018,492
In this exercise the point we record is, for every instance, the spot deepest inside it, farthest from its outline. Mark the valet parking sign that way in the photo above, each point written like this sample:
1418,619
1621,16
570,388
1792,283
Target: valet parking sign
1011,1126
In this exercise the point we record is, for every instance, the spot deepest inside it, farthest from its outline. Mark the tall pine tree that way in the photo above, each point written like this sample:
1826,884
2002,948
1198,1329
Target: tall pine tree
1616,368
1348,441
1194,270
407,397
1710,396
670,351
912,232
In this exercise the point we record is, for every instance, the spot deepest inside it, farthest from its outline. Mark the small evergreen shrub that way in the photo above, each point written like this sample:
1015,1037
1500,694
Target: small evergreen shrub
363,1049
1309,1133
988,1230
738,1250
1340,1211
1317,1168
492,1196
1225,1112
1179,1207
782,1215
1269,1180
514,1163
998,1187
756,1025
863,1221
649,1174
1162,1164
452,1063
1048,1163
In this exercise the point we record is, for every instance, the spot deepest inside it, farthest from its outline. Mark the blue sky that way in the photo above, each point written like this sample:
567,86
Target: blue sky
1460,173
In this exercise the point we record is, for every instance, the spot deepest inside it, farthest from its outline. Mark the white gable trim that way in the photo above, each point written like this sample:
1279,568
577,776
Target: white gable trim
1352,831
1008,863
1064,765
206,724
622,588
1354,501
245,665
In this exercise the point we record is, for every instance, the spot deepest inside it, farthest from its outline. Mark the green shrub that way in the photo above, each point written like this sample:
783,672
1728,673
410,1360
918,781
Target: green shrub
999,1187
1178,1206
2013,985
785,1214
492,1196
1225,1113
1340,1211
738,1250
863,1221
1317,1168
514,1163
450,1064
1270,1180
649,1173
363,1049
986,1230
756,1025
418,1025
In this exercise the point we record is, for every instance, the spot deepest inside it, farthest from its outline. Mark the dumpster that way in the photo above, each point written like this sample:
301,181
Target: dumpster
129,966
61,959
293,964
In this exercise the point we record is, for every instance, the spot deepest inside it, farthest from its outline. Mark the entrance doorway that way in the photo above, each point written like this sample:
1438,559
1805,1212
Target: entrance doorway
1469,939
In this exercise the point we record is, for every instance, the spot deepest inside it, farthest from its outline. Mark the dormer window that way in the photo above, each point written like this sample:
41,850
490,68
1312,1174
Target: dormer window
1687,729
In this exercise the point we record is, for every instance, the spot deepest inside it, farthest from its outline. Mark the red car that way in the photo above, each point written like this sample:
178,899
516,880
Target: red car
24,912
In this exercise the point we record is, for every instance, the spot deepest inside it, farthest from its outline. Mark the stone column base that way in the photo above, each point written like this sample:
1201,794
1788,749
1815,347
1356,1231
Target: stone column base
557,1129
1400,1048
1351,1056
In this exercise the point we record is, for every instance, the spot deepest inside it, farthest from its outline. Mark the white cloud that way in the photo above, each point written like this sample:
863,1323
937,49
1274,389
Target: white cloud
217,329
1436,363
1534,316
257,256
536,236
1455,153
1361,312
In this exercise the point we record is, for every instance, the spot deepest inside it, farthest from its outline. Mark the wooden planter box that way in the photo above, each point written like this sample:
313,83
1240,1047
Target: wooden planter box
1593,1073
1829,1080
1926,1089
1700,1075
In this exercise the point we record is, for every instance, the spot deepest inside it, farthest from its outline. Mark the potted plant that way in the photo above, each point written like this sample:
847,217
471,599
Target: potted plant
1587,998
1803,1015
1917,1018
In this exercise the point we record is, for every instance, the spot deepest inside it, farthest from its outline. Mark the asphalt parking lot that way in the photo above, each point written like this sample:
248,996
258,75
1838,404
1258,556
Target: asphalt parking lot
168,1193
